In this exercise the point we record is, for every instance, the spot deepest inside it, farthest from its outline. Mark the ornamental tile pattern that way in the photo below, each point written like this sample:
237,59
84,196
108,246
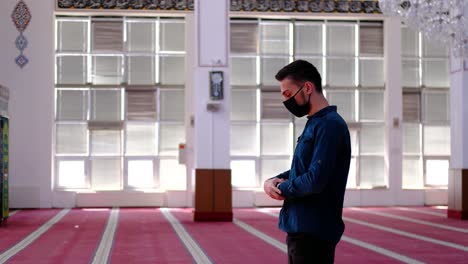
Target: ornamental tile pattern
177,5
311,6
21,17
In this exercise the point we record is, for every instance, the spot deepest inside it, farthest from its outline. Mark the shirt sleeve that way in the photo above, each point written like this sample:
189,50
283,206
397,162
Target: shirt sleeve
324,155
283,175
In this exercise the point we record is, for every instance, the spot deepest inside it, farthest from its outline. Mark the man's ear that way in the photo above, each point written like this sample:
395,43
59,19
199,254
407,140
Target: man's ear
309,87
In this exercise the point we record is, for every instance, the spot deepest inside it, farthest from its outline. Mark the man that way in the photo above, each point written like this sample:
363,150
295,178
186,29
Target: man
313,189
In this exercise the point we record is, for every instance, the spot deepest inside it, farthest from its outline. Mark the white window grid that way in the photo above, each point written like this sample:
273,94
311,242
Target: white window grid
296,121
88,87
421,89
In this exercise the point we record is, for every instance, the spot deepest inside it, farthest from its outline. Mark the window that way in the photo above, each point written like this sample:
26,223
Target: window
119,102
264,133
426,118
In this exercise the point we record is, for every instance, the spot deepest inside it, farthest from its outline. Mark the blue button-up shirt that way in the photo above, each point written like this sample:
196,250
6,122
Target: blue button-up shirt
315,185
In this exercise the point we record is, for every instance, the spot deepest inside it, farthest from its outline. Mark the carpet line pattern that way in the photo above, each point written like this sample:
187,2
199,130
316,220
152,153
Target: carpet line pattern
261,235
32,237
407,234
420,211
365,245
12,213
408,219
197,253
105,246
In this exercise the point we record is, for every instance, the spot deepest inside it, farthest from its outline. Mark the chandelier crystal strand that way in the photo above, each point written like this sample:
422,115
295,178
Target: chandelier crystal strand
439,20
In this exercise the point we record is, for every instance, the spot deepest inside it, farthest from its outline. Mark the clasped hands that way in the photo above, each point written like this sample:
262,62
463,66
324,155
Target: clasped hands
269,186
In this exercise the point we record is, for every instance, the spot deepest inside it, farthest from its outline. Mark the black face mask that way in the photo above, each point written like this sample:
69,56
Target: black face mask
296,109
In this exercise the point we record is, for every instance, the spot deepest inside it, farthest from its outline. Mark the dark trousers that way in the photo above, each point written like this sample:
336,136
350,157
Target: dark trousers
308,249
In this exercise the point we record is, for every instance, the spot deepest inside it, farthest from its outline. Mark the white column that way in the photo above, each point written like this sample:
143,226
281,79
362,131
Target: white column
31,103
211,128
458,175
208,132
393,106
459,113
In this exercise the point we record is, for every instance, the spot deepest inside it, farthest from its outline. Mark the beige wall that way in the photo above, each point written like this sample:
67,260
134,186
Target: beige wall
31,103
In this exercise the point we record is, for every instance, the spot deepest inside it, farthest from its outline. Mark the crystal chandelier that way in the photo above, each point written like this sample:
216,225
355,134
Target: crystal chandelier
442,20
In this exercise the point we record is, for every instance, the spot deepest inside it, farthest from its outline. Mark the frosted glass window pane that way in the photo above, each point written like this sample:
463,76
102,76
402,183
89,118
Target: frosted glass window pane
243,173
436,140
436,107
270,67
371,39
351,183
341,72
372,73
353,135
105,142
170,138
244,140
411,107
411,138
276,139
71,174
71,70
106,174
107,70
409,42
344,100
243,71
141,173
71,139
410,73
141,70
107,35
244,37
412,173
340,40
106,105
72,104
372,172
273,107
141,36
371,105
273,167
172,70
141,139
437,172
172,36
141,105
172,105
244,105
436,73
433,48
275,39
172,175
308,39
372,139
72,36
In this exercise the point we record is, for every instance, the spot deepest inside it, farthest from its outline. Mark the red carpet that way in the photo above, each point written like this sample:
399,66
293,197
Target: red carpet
345,252
72,240
23,224
228,243
410,247
425,217
418,229
145,236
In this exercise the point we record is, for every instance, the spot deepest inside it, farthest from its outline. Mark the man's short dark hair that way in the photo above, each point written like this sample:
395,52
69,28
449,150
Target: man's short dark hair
301,71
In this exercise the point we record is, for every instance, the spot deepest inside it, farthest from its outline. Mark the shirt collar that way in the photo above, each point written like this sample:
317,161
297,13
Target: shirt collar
323,111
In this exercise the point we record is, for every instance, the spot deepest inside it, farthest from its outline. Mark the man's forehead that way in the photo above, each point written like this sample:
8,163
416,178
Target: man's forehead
287,84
